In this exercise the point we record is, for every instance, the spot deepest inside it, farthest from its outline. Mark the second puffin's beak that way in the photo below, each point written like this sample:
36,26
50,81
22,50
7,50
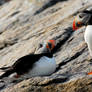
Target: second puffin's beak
76,25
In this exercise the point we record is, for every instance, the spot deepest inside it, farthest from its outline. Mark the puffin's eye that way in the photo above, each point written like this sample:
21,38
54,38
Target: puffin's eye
80,16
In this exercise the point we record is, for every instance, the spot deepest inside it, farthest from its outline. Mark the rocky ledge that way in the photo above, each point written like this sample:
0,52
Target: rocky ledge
26,23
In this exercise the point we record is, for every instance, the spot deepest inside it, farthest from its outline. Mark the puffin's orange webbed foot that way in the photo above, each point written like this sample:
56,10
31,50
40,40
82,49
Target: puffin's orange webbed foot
17,76
90,73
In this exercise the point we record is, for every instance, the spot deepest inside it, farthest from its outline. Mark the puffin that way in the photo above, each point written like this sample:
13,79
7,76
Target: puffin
84,18
38,64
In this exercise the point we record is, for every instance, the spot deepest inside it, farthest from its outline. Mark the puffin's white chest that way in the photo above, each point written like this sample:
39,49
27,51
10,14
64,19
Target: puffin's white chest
45,66
88,34
88,37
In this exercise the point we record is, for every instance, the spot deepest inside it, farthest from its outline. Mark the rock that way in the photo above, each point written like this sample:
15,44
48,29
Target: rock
26,23
3,1
80,85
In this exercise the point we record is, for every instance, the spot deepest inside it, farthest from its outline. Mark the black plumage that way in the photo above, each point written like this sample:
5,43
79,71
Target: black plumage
24,64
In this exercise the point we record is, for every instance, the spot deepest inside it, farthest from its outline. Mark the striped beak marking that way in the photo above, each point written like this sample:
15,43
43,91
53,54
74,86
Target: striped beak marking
76,25
50,44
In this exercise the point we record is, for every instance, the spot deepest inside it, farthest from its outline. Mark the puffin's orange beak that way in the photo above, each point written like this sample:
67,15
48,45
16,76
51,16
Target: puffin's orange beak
52,42
76,25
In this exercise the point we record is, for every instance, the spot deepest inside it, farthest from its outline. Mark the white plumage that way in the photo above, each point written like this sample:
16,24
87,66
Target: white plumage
88,37
45,66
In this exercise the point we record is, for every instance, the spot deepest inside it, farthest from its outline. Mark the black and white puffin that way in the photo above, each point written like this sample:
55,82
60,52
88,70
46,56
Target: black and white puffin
84,18
33,64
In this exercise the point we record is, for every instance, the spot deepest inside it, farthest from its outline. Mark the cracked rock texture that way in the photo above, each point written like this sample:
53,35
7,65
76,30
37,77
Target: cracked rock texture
26,23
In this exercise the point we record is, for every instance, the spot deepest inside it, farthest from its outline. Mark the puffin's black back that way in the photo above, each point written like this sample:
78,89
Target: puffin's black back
24,64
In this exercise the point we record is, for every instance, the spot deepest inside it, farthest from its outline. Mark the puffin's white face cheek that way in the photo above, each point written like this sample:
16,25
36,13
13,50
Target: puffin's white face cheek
45,49
44,45
41,49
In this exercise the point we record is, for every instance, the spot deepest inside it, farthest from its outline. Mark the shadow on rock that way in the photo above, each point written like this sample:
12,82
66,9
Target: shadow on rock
47,5
63,38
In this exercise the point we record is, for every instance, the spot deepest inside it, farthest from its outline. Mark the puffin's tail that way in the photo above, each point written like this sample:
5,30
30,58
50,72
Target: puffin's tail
8,71
5,68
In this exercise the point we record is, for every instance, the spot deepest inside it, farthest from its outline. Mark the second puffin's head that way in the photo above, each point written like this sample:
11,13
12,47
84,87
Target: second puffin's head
82,19
46,47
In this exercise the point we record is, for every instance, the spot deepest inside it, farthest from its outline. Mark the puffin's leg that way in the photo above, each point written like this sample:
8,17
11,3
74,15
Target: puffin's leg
15,75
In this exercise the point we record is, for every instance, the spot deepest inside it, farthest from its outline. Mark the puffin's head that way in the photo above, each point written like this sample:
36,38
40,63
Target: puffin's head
46,47
82,19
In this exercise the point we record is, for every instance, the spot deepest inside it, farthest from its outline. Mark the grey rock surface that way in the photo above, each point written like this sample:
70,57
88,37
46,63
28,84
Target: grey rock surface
26,23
